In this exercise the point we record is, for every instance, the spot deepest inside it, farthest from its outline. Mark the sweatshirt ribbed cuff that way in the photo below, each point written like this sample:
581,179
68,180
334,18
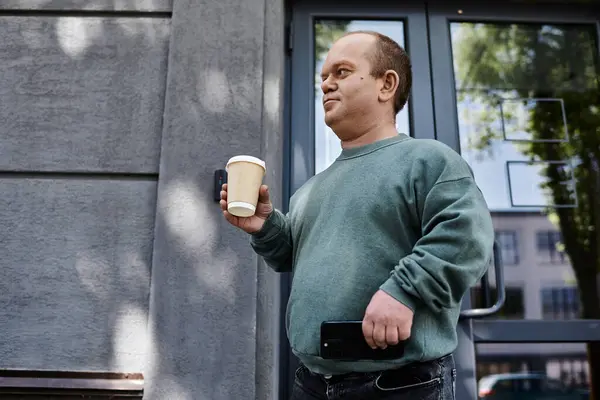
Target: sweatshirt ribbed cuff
270,229
392,288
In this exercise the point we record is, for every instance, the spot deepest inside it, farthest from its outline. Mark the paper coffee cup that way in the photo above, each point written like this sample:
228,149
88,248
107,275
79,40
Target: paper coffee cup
244,178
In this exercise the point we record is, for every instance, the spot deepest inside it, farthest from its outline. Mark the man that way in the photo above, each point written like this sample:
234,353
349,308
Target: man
393,233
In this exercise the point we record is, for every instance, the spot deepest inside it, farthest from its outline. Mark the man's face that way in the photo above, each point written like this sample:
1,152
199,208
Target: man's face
350,92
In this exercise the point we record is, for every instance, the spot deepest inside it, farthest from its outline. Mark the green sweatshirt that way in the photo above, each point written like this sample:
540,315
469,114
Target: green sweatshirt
402,215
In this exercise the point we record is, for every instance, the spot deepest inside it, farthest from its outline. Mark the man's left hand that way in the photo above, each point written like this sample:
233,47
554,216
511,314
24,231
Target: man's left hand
386,321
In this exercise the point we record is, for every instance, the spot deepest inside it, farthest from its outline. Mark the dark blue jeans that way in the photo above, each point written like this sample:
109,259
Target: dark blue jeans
431,380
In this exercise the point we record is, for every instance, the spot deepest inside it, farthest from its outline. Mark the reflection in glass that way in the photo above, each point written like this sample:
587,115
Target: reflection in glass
528,104
560,302
327,145
514,305
509,246
516,117
549,247
518,371
520,174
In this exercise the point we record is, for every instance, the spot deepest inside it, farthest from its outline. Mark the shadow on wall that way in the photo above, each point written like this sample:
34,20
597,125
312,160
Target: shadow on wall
86,95
204,292
97,5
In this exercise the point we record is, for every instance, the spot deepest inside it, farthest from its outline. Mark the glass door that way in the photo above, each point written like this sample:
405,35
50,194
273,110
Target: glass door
312,146
316,25
516,91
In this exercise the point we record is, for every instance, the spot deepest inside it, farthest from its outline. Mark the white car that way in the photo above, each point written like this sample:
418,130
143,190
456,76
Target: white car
525,386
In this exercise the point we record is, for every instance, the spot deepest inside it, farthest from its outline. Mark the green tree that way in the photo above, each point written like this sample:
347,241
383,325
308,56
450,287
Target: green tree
326,32
496,62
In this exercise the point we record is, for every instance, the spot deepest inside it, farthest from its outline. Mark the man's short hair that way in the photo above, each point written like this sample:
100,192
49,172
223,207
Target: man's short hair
389,55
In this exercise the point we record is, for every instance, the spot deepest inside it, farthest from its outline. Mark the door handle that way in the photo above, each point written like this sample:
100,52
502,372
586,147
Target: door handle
485,288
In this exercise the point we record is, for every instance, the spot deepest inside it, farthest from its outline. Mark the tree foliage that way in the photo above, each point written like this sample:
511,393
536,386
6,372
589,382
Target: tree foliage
327,32
539,84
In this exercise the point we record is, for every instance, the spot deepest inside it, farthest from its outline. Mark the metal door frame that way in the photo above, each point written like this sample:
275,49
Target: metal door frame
440,15
300,157
433,108
302,95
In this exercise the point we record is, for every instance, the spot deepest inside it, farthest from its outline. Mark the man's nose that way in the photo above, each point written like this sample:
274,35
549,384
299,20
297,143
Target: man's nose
327,85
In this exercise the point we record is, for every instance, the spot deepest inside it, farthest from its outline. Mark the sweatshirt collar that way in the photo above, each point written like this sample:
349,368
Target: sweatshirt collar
371,147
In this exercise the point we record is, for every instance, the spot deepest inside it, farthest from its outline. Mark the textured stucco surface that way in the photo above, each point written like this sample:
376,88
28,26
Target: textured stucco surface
75,265
127,265
87,5
82,93
205,279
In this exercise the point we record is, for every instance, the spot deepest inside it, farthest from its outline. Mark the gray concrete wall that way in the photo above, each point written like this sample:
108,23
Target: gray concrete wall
81,122
75,267
213,314
113,255
82,93
88,5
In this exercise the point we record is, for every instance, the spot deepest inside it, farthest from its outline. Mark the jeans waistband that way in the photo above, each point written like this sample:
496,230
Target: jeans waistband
436,366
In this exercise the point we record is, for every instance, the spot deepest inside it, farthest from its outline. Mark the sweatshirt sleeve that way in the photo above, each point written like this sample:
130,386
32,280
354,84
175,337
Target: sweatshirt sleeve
453,252
274,242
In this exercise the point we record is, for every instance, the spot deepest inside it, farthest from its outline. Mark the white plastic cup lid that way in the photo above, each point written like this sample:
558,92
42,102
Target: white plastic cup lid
241,209
249,159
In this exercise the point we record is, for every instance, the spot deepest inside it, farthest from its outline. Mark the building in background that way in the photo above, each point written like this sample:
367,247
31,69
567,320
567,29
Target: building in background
540,284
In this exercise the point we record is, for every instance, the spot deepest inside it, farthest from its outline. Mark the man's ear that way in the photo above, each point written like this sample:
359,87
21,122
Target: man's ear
390,81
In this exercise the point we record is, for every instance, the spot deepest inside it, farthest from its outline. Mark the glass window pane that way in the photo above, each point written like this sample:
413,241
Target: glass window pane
509,249
327,145
514,305
528,106
533,369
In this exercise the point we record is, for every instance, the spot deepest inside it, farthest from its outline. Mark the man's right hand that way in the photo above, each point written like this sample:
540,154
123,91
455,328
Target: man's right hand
252,224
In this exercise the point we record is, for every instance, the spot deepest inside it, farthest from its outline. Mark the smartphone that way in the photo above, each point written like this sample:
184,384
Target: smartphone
344,340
